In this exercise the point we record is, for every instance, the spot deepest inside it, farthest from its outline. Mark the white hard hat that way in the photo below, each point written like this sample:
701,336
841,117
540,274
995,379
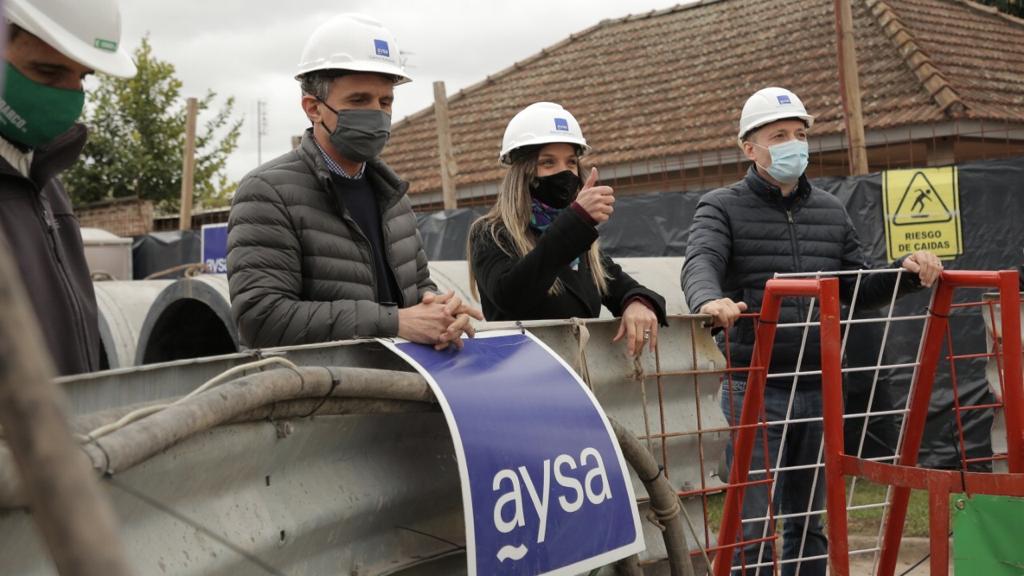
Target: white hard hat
768,105
86,31
352,42
541,123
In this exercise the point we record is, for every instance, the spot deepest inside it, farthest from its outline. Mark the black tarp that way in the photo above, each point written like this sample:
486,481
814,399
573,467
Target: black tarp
445,233
991,200
656,224
161,251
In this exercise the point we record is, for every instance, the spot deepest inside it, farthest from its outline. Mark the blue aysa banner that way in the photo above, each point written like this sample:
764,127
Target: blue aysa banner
544,485
215,248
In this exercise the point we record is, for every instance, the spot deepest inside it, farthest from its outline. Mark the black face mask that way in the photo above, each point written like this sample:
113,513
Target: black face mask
556,190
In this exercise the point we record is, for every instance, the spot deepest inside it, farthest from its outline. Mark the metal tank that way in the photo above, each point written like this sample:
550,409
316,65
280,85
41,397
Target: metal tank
992,368
355,487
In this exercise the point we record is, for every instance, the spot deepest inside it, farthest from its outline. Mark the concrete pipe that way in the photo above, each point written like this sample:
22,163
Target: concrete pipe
123,307
191,318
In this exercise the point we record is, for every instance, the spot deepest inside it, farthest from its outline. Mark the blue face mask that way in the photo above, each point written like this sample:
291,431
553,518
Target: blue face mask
789,160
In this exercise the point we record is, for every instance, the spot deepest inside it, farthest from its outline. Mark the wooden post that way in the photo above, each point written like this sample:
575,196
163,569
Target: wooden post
73,513
444,147
188,165
849,88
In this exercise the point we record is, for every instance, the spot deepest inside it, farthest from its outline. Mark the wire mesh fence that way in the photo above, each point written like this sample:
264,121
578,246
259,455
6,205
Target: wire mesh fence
780,522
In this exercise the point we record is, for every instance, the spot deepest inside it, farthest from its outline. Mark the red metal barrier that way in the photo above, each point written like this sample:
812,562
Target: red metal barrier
904,475
827,291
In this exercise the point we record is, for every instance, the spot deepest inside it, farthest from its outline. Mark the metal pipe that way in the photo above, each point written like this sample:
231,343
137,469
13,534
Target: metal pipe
663,497
140,440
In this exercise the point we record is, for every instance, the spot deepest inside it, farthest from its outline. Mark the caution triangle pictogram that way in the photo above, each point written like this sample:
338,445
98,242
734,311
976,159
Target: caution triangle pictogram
921,204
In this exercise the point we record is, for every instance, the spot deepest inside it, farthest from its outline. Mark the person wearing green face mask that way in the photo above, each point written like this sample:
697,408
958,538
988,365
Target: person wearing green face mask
322,241
775,221
52,46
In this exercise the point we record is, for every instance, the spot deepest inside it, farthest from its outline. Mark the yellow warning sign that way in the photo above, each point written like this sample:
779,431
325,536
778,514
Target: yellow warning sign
922,212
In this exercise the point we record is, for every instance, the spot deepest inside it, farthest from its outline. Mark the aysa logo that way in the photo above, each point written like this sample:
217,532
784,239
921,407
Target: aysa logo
783,99
381,48
561,124
573,493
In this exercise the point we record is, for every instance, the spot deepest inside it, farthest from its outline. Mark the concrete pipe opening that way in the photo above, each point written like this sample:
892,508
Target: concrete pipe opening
190,319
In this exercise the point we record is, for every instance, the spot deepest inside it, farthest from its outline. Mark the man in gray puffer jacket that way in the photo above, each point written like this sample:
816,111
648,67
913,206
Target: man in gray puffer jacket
322,241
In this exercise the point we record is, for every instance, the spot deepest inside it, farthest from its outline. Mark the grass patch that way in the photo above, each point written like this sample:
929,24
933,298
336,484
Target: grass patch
864,521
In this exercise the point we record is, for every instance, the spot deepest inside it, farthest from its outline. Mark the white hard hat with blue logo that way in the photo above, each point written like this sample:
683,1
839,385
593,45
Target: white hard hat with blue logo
541,123
353,42
769,105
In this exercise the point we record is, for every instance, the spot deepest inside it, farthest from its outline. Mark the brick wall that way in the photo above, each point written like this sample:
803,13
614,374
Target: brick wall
128,217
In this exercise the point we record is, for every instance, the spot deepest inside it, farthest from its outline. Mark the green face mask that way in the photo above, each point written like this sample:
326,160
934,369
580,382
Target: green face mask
33,114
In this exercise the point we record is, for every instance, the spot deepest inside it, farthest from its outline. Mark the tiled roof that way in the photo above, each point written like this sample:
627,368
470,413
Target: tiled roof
672,82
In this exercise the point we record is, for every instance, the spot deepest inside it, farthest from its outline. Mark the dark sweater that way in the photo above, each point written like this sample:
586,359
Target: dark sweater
356,196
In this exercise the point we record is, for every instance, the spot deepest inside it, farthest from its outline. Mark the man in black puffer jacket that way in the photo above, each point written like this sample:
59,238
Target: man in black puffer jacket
322,242
775,221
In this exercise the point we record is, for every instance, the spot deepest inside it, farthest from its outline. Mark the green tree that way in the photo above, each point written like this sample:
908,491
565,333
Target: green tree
136,138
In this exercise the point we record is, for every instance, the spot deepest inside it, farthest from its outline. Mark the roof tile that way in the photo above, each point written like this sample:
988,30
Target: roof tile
672,82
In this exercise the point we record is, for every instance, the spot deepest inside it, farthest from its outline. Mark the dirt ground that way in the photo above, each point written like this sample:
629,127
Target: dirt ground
911,550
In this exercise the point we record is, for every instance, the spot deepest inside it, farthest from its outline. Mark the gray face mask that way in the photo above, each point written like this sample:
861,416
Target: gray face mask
359,135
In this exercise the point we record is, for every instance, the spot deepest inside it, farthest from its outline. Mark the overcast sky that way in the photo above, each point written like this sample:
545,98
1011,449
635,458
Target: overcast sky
249,48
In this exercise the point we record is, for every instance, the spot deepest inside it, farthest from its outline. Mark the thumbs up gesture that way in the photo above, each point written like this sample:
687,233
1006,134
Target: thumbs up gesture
596,200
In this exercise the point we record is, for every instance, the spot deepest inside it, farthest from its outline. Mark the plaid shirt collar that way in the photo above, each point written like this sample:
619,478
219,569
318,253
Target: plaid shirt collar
334,168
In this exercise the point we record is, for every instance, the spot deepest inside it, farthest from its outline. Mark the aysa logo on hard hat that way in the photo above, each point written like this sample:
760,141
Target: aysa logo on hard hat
783,99
381,48
561,124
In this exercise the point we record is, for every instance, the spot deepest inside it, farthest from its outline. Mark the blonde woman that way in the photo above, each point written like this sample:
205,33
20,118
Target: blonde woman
535,254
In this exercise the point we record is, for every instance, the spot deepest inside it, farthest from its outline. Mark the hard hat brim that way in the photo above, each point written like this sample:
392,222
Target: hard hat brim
506,155
384,68
117,63
807,119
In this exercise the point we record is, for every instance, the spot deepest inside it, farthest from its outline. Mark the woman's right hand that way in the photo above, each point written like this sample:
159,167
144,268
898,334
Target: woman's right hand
596,200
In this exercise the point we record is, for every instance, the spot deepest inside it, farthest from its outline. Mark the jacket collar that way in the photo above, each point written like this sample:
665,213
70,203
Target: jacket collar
53,158
770,192
385,183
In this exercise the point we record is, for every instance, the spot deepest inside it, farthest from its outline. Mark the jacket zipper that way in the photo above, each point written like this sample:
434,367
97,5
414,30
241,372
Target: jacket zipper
796,253
51,228
387,261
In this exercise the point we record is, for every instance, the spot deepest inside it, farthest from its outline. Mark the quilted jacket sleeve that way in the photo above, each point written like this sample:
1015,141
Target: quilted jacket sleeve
707,254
